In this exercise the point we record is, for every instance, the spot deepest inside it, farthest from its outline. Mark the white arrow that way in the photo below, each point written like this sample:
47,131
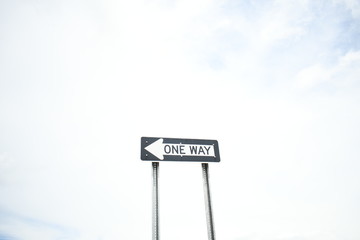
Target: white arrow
156,149
159,149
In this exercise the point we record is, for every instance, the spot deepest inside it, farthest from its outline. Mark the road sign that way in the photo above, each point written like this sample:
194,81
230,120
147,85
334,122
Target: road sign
179,149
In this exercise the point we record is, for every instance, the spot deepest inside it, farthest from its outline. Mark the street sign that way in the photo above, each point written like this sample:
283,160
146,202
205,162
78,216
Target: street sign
179,149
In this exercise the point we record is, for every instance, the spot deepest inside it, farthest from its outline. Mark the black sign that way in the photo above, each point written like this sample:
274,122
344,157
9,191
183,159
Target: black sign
179,149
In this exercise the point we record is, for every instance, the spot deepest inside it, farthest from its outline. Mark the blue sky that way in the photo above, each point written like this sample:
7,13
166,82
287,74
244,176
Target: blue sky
275,82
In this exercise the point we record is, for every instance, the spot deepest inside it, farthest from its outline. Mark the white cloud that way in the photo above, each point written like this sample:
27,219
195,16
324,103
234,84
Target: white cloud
313,76
342,75
352,5
20,227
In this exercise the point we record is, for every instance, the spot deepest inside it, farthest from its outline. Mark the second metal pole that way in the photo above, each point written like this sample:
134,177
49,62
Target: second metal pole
208,208
155,222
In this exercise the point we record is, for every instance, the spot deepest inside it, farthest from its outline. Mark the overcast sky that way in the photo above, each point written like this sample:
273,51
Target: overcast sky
277,83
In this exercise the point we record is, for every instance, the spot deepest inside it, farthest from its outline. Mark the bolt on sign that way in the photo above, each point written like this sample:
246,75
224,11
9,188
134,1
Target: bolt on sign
179,149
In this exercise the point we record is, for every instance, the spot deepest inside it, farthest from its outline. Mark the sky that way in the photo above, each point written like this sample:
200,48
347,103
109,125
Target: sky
275,82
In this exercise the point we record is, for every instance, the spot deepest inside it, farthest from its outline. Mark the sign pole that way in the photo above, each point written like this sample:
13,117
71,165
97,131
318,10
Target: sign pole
155,195
208,208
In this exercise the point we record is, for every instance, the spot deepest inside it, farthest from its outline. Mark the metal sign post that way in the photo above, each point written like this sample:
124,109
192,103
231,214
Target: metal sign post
208,208
155,226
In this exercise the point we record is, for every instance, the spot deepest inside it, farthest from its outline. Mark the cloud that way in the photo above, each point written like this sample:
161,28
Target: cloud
352,5
344,74
14,226
291,236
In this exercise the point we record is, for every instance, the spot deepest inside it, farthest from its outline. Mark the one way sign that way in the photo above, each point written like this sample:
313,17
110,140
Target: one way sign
179,149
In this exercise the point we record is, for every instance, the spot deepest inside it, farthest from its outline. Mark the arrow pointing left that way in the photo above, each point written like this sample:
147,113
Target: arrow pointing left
156,148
